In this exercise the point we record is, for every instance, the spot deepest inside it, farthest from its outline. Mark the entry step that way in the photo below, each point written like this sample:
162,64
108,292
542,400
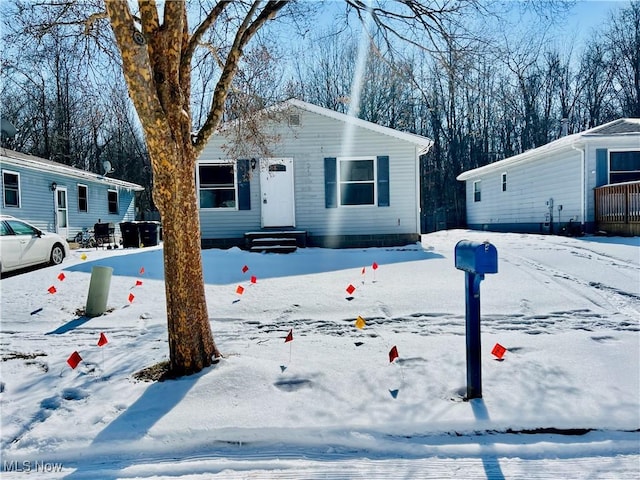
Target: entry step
275,241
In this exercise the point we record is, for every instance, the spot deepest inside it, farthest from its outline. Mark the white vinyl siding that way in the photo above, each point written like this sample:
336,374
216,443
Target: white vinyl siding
531,185
317,138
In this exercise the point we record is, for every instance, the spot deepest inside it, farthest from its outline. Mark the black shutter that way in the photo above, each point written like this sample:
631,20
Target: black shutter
383,181
602,169
244,184
330,183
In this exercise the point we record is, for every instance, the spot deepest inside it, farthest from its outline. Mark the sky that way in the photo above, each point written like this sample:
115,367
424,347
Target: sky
586,17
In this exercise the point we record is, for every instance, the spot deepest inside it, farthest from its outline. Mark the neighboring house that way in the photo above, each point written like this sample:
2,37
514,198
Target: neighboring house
62,199
339,180
583,182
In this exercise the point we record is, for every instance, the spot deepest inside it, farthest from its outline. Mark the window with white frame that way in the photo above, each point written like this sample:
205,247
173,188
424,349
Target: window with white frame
11,188
477,190
83,198
624,166
217,184
112,201
504,181
357,181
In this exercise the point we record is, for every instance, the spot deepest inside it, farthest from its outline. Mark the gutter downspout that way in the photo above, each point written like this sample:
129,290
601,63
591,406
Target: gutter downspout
583,189
419,153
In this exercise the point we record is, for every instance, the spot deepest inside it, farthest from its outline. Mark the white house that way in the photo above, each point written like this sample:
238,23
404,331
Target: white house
337,180
553,188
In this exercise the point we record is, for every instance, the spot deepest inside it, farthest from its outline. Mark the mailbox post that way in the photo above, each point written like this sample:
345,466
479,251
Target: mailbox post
475,259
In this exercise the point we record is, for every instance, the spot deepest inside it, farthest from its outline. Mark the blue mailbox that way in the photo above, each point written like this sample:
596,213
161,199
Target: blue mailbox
475,259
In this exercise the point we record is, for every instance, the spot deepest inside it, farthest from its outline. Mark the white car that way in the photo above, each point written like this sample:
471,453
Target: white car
23,245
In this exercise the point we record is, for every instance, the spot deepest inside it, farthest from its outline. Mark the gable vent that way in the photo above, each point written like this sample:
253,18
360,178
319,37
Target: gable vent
294,120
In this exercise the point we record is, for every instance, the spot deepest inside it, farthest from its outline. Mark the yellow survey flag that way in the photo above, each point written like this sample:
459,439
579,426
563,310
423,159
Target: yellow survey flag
360,323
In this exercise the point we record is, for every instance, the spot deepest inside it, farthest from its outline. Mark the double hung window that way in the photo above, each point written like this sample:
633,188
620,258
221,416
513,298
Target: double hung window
217,186
11,188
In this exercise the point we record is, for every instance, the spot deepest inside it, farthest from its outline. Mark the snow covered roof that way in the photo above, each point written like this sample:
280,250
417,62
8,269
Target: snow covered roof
22,159
616,128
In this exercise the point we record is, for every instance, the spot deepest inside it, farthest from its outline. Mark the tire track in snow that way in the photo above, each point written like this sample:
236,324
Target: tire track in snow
435,323
362,454
599,294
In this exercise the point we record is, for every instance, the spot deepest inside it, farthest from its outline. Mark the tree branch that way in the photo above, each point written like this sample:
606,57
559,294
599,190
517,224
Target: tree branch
92,19
215,12
245,33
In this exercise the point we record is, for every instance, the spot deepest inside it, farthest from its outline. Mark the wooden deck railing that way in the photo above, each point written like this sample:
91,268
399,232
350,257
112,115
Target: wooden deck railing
618,208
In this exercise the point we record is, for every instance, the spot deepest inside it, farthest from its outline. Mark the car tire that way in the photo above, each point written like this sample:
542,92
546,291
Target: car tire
57,254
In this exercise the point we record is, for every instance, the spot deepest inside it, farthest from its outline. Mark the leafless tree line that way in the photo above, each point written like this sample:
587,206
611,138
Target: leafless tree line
479,99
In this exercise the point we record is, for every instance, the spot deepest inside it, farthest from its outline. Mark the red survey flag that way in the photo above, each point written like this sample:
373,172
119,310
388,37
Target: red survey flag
138,283
74,359
131,297
289,336
52,289
498,351
141,270
363,270
245,269
102,340
374,266
393,354
254,279
61,276
351,289
240,290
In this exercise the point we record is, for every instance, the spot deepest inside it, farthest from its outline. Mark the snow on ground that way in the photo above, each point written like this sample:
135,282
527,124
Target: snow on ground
563,403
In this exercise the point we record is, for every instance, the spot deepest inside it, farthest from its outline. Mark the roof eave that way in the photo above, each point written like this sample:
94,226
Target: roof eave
71,172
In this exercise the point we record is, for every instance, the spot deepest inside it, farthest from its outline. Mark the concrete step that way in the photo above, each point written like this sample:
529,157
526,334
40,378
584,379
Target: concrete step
275,241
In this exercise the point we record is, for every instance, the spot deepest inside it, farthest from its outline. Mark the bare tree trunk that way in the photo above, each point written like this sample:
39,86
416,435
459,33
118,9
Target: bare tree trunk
191,343
161,97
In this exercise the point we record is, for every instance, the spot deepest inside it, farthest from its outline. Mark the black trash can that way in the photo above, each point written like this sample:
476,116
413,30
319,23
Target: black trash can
130,234
149,233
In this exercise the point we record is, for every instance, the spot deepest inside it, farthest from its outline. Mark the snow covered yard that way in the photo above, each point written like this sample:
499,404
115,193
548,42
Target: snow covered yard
563,403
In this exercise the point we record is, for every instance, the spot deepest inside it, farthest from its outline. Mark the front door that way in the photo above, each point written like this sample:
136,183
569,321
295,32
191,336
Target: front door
62,213
276,187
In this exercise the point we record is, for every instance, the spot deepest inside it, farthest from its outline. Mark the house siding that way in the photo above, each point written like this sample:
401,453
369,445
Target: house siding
523,206
37,201
551,171
319,137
